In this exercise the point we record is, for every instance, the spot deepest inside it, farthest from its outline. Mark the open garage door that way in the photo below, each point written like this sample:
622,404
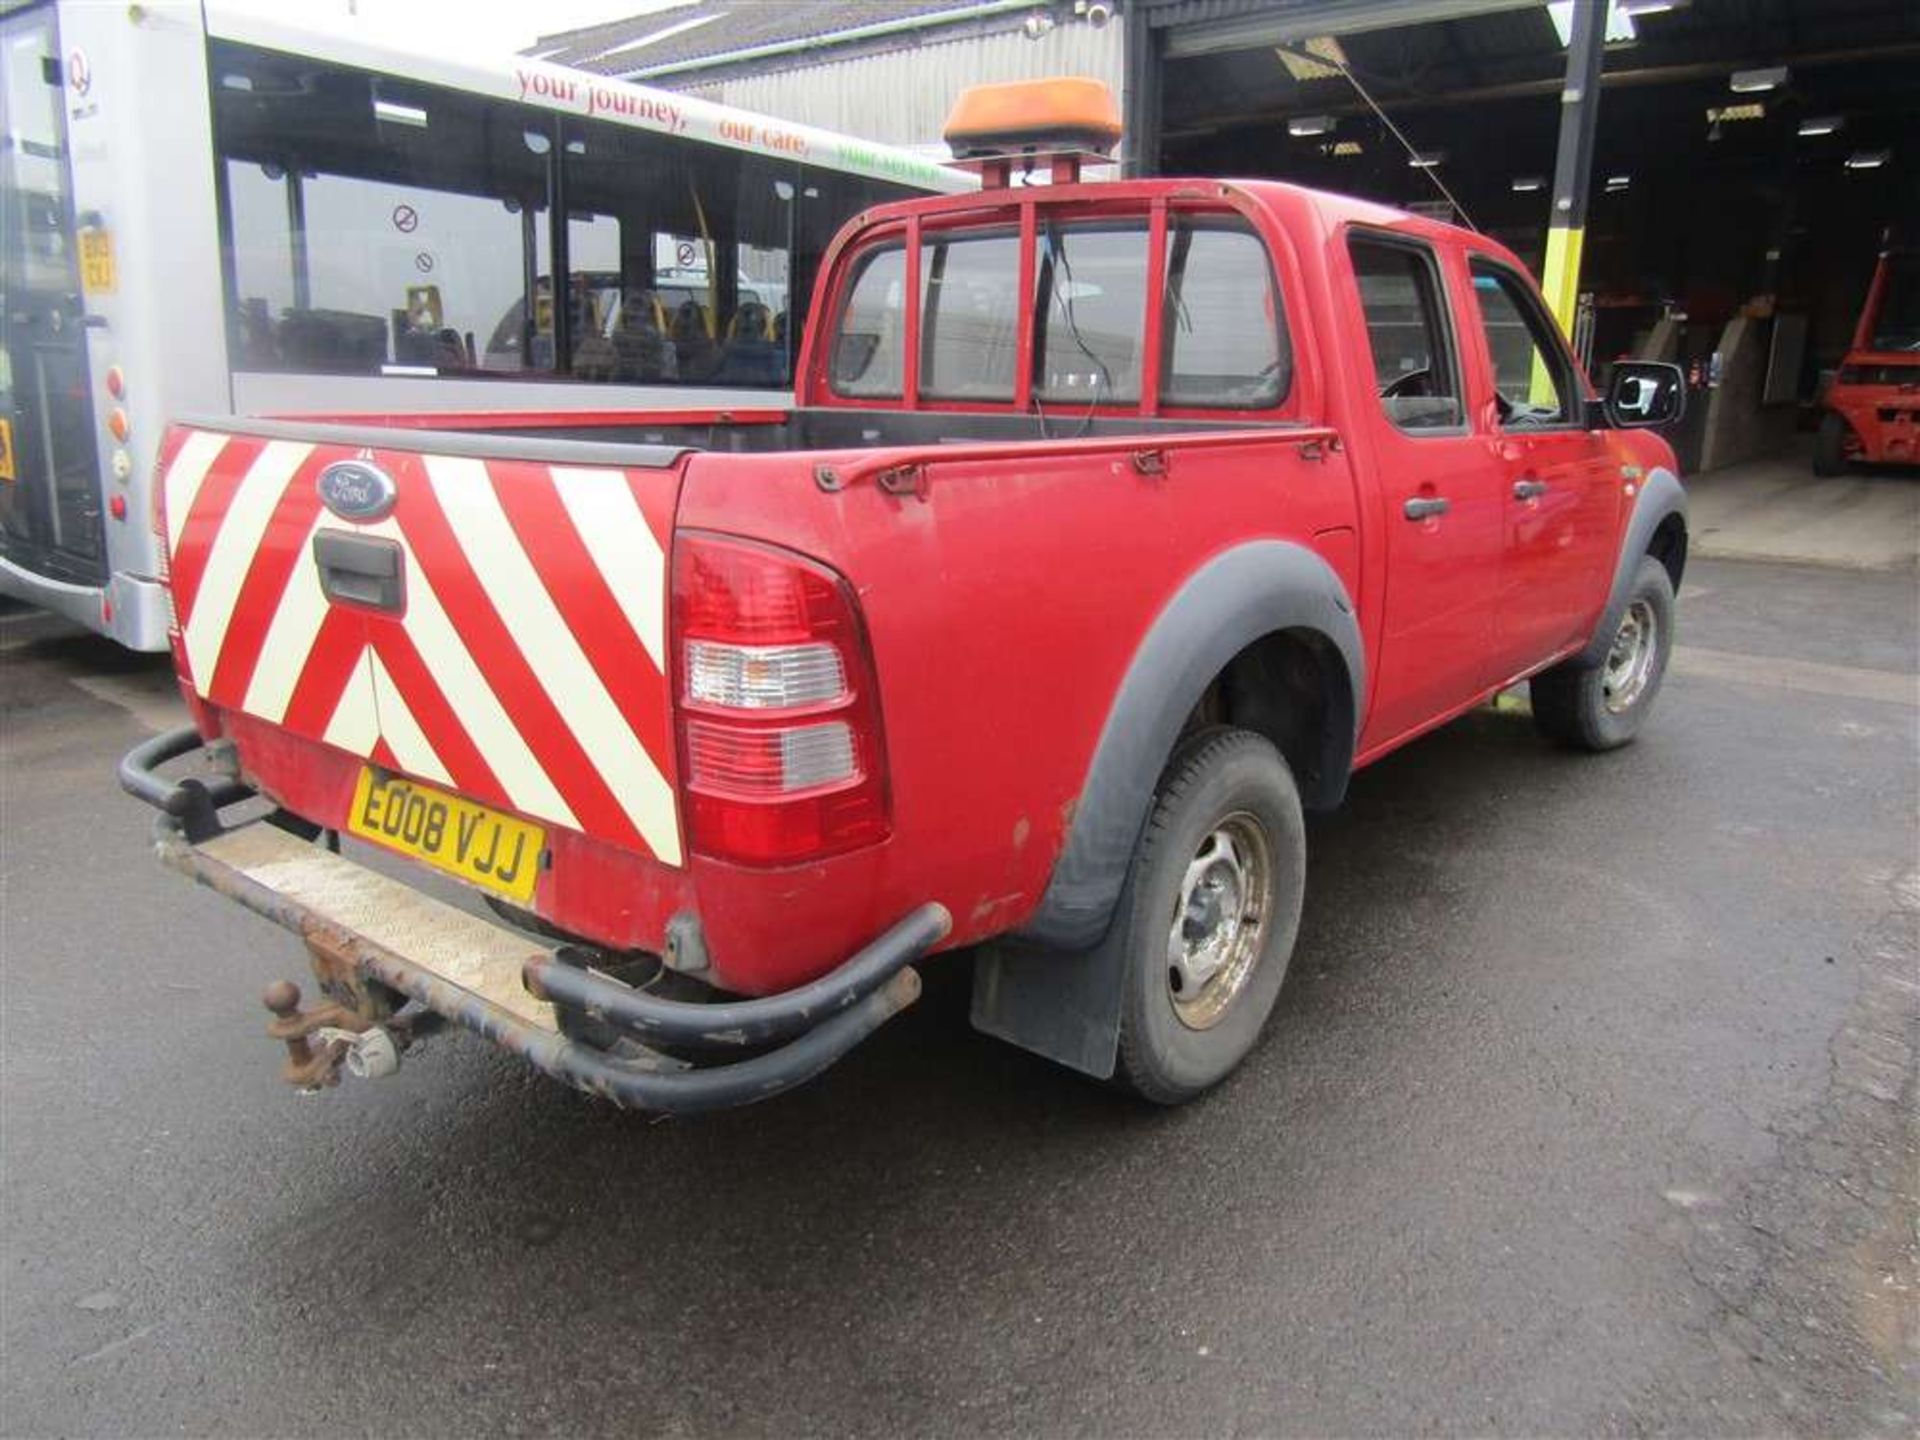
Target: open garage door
1752,157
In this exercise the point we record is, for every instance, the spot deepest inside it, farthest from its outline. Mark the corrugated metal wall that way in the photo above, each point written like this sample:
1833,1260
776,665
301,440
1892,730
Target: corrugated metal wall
902,97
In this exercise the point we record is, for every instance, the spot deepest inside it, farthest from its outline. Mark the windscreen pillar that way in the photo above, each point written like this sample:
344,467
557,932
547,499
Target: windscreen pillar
1573,159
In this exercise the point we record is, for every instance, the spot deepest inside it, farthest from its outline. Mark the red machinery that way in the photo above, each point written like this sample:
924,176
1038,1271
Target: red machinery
1873,405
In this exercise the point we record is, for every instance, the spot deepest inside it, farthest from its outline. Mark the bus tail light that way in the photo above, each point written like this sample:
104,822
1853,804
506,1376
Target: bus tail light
781,751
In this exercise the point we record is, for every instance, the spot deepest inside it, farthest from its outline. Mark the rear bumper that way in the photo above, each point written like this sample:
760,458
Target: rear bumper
1885,422
127,608
503,985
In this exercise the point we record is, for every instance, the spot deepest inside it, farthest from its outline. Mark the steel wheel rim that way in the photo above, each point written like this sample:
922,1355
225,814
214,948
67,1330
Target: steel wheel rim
1623,680
1220,920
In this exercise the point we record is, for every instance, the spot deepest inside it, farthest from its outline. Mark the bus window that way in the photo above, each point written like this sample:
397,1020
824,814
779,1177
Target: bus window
372,225
724,245
706,231
376,225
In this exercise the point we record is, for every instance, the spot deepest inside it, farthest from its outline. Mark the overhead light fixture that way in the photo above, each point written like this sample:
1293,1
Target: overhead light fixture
1638,8
1868,159
1619,22
399,114
1303,125
1426,159
1303,66
1346,147
1619,182
1527,184
1752,82
1745,110
1821,125
1037,24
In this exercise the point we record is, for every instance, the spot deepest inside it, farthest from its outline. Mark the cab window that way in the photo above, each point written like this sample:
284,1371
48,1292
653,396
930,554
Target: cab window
868,337
1224,337
1532,375
969,316
1090,314
1415,373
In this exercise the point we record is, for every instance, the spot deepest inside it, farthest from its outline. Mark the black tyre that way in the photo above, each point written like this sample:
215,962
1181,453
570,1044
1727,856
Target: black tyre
1209,914
1602,706
1830,446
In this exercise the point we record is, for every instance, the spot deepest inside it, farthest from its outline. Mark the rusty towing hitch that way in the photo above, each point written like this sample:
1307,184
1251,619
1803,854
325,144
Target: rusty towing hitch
394,963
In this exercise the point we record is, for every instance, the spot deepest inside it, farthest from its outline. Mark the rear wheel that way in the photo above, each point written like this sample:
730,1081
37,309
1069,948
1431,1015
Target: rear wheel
1830,446
1601,706
1210,912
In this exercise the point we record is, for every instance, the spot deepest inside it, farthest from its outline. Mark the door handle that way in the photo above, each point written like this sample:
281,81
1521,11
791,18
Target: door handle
1529,489
364,570
1425,507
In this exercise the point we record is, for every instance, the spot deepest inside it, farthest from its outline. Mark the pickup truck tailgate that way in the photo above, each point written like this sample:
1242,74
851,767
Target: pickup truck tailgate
494,626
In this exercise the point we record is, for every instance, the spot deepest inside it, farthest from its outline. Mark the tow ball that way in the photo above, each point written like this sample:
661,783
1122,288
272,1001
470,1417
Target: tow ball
328,1038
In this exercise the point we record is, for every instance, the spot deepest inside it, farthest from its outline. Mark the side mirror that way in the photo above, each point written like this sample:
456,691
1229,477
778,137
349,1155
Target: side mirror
1644,393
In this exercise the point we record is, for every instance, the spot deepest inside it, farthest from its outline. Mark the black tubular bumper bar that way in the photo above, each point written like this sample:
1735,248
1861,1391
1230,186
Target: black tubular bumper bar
503,985
190,801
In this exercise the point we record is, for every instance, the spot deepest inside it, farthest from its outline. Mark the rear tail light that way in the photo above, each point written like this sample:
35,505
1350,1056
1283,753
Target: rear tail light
763,677
782,755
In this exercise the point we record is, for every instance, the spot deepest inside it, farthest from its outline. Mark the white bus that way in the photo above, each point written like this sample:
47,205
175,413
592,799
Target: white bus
208,211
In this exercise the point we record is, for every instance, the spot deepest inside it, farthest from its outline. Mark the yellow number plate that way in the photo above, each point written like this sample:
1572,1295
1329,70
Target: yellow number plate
98,274
491,850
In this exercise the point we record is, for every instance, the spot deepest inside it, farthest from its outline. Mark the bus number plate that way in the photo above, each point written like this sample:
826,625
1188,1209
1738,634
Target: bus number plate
472,842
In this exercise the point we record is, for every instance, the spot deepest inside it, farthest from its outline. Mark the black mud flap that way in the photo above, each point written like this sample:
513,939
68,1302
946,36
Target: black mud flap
1063,1005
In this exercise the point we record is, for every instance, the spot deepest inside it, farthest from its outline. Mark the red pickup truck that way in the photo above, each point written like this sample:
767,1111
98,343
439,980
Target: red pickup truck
1114,526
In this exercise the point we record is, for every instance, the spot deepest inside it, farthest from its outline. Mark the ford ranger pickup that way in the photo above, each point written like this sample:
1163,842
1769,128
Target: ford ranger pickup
1114,526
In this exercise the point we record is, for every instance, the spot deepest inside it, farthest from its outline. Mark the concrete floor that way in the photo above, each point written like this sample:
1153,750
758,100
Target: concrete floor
1778,509
1587,1108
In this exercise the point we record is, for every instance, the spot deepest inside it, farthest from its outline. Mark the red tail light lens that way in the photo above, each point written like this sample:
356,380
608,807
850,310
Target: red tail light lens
781,751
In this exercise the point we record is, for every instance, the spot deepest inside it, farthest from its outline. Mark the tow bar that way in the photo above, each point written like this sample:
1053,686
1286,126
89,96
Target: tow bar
394,963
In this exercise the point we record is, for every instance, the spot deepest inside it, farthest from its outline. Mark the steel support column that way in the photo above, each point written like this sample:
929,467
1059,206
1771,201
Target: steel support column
1143,63
1573,160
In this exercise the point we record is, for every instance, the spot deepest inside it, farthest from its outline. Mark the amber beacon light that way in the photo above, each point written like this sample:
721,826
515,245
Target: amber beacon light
1064,121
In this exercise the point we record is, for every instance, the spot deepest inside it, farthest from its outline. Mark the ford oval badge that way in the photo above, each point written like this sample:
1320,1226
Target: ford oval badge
357,491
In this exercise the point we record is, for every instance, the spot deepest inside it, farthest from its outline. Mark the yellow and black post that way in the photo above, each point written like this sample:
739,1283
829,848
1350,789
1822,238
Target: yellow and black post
1573,161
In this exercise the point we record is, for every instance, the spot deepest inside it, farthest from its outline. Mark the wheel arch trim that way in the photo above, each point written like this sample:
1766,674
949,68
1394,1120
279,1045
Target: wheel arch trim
1660,498
1237,598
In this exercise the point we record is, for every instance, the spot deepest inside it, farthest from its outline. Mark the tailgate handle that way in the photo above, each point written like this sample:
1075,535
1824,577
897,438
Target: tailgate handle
363,570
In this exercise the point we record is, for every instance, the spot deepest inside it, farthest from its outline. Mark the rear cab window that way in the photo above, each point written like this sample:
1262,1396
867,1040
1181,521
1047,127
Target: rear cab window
969,315
1214,308
1225,343
1090,313
869,334
1415,367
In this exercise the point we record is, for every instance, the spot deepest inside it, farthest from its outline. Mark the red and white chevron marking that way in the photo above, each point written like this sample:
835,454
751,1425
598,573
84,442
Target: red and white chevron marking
527,669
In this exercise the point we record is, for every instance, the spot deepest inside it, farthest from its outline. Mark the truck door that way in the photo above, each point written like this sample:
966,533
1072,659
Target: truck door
49,464
1441,501
1562,500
